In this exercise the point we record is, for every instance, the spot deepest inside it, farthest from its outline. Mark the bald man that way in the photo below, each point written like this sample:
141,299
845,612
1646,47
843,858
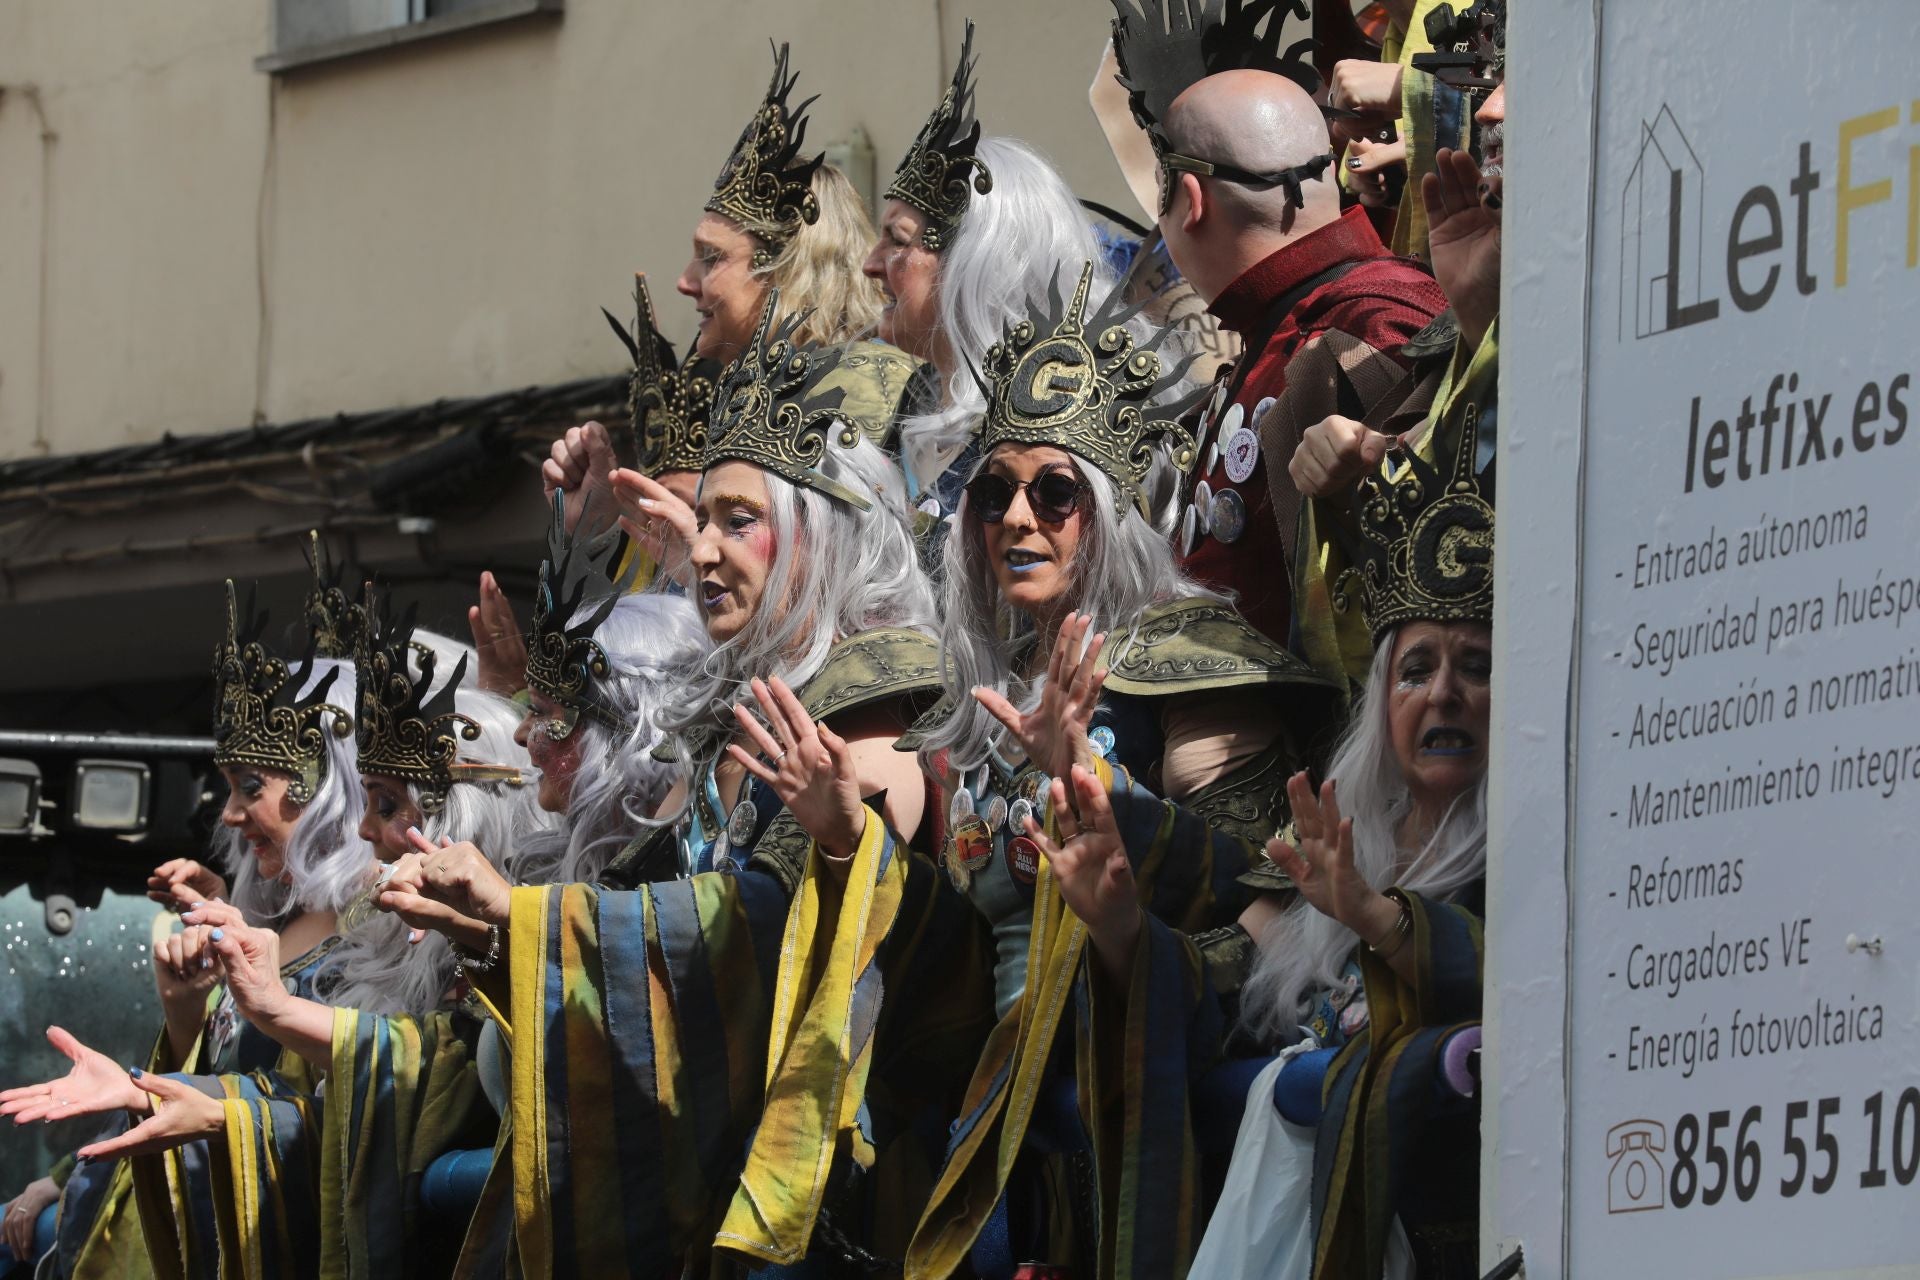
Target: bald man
1252,218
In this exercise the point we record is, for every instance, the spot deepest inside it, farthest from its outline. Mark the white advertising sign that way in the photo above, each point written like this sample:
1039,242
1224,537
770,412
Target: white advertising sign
1744,881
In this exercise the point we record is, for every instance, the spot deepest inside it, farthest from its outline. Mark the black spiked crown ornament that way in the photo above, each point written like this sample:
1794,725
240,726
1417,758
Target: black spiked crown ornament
1163,46
407,727
1424,547
668,403
260,716
1086,384
769,409
334,619
942,170
766,186
577,591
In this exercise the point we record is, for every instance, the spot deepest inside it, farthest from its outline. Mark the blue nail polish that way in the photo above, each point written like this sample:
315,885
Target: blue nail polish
413,831
218,935
135,1072
196,906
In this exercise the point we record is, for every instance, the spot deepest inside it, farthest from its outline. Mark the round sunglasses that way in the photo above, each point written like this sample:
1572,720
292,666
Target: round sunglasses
1053,495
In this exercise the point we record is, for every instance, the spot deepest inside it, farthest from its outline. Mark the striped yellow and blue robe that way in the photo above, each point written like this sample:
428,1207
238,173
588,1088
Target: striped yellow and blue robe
325,1181
99,1233
1388,1144
690,1063
1190,880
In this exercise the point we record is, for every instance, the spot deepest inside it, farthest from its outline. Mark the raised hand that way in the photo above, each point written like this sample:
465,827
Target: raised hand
183,974
1320,863
1370,167
426,895
1362,84
581,465
460,877
181,1115
809,766
246,959
1463,240
1054,734
498,640
1335,453
96,1085
655,517
184,880
1091,868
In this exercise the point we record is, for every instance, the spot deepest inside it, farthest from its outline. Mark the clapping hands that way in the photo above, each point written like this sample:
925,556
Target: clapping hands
1054,734
1090,866
809,766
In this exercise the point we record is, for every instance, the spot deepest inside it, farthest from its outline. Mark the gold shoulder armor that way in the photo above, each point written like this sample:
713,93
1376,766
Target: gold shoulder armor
873,378
873,666
930,719
1188,645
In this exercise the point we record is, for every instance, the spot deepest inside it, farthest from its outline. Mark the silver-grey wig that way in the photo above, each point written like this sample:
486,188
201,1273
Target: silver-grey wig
1124,565
836,571
1304,951
651,641
375,969
1029,232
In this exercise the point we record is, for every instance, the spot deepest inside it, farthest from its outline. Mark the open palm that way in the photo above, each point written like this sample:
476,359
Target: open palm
96,1085
1463,238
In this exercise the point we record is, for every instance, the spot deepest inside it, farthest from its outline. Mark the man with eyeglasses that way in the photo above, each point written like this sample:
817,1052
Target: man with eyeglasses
1252,217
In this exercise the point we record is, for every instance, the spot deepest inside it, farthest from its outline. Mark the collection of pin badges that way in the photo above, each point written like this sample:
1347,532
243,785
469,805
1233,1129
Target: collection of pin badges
1222,513
975,815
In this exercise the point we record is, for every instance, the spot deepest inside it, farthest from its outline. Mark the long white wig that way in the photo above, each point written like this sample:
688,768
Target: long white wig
1029,232
836,571
1304,951
1124,565
375,969
326,863
651,641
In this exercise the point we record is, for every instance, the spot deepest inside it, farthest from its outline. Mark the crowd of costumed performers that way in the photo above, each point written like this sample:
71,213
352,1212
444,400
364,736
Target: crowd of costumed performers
993,780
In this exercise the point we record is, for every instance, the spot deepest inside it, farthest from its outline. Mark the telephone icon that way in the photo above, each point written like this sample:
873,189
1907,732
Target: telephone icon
1638,1180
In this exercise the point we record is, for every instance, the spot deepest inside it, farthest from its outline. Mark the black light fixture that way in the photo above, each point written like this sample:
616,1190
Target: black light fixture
19,797
110,795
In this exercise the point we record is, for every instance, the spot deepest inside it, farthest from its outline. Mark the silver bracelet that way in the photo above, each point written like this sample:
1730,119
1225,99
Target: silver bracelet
465,960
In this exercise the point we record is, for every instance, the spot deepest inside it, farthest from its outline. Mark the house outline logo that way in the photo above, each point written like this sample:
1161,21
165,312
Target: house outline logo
1662,226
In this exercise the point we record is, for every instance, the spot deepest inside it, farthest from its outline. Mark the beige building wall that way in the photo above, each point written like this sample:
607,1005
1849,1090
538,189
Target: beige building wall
188,244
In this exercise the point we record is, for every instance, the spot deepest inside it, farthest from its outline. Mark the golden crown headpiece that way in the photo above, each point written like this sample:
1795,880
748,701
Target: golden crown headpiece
941,169
1163,46
260,716
408,728
669,404
1424,547
1087,385
334,619
577,591
766,186
769,409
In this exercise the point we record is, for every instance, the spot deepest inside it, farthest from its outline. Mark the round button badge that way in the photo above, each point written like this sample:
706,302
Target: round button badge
1023,859
1229,516
740,826
1242,454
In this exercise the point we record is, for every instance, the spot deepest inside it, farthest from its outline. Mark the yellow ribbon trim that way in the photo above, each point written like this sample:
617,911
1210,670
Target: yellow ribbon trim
814,1084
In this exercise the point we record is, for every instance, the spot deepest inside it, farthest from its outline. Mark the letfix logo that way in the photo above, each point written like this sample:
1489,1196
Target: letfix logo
1662,225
